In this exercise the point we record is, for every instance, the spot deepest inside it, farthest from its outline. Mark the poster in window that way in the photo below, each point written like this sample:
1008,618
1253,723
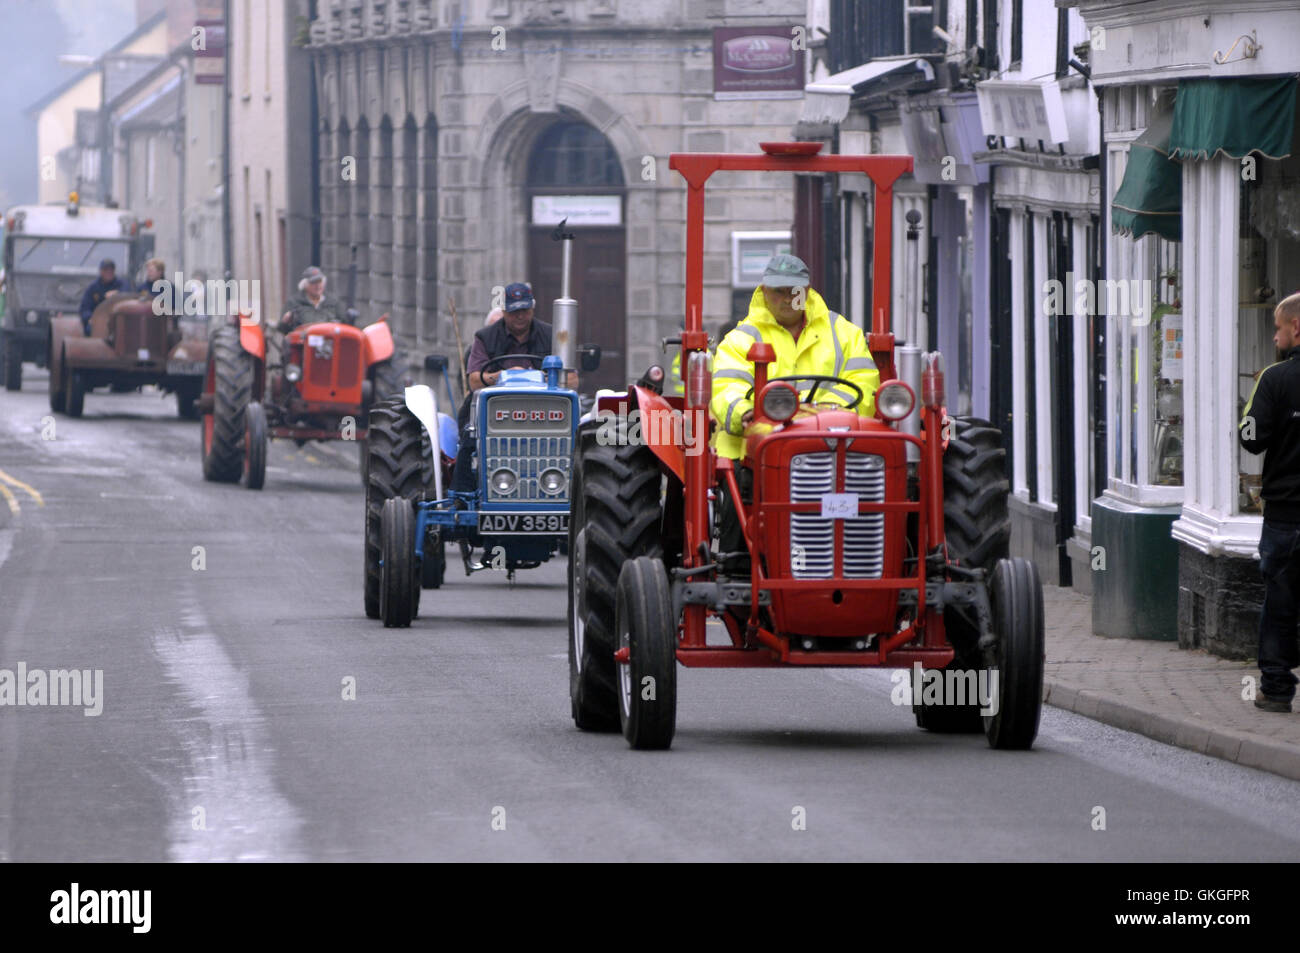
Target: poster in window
1171,347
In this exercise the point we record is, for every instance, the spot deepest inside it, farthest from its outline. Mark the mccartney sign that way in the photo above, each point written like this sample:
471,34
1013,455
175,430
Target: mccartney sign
756,63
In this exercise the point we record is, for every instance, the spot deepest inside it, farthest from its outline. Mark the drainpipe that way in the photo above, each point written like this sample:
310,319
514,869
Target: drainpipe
226,251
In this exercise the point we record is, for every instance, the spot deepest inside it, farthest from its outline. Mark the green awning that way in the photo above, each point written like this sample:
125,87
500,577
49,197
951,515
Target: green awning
1233,116
1150,199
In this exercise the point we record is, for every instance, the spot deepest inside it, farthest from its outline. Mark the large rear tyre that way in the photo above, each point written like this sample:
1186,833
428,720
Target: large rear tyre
75,397
977,527
389,380
230,375
397,464
615,518
13,363
647,629
397,589
255,441
1016,655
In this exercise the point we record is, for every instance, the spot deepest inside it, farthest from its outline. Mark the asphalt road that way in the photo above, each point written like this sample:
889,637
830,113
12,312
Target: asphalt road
225,733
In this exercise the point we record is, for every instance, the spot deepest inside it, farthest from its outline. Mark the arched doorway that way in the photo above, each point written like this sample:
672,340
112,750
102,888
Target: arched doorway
573,171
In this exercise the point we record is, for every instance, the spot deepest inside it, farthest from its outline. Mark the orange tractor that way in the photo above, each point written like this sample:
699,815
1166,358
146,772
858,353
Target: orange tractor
867,541
330,375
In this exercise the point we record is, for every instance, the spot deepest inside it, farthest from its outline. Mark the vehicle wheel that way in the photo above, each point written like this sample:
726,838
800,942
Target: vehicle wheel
255,441
389,381
976,521
1016,655
187,396
433,568
13,363
230,374
58,390
615,517
397,464
977,527
397,589
75,400
647,683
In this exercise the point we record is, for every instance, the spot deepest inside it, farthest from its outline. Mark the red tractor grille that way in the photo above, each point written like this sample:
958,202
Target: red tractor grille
347,361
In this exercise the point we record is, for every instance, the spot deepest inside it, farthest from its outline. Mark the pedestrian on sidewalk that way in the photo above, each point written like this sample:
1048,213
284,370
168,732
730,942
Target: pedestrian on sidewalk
1271,426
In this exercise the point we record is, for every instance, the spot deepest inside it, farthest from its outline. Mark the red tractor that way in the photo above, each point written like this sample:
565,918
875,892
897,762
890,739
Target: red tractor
330,376
867,541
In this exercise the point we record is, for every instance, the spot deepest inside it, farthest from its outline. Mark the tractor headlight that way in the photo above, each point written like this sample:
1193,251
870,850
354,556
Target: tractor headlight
31,317
552,481
894,400
779,401
293,373
503,482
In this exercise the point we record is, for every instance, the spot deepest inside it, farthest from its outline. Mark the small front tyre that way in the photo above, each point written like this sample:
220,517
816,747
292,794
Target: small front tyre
647,636
397,589
1015,656
255,440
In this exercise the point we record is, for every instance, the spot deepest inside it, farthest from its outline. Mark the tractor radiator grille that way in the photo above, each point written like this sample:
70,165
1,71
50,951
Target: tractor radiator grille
528,457
812,539
136,333
347,361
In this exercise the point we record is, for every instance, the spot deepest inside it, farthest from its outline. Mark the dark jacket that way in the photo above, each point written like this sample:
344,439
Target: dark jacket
302,311
495,341
97,292
1271,425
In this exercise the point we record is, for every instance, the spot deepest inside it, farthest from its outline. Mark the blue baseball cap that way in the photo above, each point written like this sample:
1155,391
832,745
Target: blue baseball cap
519,297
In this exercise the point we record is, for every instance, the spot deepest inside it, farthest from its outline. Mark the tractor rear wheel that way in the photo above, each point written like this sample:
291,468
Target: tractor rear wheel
977,526
74,400
388,379
255,440
397,464
231,369
647,681
1016,656
615,517
397,588
13,363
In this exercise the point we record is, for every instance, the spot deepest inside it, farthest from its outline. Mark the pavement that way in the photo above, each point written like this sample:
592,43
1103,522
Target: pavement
1183,697
250,711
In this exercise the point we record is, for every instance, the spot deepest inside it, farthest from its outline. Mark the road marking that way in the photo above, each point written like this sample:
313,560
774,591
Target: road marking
12,500
310,458
133,496
30,491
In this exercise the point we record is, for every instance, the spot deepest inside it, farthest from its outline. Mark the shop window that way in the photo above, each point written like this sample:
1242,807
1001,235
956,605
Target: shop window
1166,357
1268,270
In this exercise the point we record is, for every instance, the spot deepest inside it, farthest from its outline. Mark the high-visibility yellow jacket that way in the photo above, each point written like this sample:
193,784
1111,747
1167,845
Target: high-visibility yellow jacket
829,344
674,384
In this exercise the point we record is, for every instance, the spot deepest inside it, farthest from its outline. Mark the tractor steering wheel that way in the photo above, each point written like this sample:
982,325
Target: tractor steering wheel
817,380
492,361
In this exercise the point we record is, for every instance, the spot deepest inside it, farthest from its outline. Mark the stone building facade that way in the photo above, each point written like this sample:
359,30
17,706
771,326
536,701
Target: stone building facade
446,130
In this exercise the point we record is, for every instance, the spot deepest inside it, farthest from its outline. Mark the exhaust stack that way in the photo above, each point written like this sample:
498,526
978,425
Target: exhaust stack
564,310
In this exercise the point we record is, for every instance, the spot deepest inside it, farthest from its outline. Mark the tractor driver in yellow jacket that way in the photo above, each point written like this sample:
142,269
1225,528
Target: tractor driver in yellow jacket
808,338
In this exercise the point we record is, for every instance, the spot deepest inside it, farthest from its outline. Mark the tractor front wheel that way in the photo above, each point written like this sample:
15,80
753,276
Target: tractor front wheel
397,464
1015,659
13,363
615,518
231,374
647,636
255,441
74,400
397,589
433,568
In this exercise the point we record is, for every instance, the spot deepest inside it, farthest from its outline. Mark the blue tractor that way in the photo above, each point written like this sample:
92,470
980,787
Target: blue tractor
524,427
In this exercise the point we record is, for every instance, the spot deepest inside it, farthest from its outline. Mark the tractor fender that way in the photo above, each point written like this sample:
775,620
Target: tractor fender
423,403
61,329
81,350
253,340
379,344
657,433
448,435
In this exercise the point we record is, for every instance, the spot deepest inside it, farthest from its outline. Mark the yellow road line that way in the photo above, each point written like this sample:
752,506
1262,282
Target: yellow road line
10,499
311,459
30,491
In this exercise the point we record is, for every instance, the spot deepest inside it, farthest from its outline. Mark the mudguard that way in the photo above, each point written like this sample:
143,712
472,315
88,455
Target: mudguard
252,339
421,401
379,342
79,351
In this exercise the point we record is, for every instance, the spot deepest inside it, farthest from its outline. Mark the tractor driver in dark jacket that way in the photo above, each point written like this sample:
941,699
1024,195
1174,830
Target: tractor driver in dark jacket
516,333
106,284
311,305
1271,425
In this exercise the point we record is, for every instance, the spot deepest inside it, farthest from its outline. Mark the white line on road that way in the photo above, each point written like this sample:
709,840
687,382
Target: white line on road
229,808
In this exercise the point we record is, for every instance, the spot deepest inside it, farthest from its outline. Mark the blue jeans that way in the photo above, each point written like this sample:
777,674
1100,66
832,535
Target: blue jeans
1279,564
